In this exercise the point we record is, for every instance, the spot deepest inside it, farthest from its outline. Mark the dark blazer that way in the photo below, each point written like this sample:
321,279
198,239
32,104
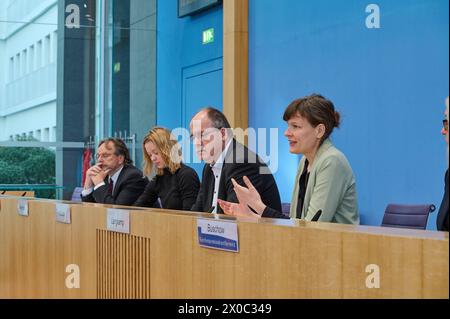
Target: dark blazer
176,191
237,165
129,186
442,218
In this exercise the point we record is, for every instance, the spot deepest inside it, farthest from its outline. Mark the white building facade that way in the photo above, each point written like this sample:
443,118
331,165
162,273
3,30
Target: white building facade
28,56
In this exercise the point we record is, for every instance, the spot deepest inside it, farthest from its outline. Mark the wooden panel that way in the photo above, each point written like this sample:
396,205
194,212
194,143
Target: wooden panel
123,266
63,253
399,261
41,232
161,258
435,269
85,223
235,62
262,269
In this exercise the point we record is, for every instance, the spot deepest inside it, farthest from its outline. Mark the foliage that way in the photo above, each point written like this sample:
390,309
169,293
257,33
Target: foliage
28,166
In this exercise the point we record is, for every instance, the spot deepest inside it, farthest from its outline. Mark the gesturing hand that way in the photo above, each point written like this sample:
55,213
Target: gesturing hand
248,196
234,209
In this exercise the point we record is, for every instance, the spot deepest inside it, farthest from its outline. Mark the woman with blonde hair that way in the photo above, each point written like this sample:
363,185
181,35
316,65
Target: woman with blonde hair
175,185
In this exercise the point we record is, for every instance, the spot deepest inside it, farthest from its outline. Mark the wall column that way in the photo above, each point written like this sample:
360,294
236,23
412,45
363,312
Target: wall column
235,62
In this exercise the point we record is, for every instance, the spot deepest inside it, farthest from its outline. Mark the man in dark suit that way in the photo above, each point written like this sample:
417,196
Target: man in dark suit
113,180
227,159
442,218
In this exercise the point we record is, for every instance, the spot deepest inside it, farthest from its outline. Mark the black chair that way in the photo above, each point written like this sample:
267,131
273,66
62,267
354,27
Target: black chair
407,216
286,209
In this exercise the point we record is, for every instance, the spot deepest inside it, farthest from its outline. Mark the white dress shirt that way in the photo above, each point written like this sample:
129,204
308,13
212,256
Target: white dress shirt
217,171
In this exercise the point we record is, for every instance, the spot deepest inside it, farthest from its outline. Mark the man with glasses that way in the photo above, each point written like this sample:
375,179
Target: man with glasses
113,180
226,159
442,218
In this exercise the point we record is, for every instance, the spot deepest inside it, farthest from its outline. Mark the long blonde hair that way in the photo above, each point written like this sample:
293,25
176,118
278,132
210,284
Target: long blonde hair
167,145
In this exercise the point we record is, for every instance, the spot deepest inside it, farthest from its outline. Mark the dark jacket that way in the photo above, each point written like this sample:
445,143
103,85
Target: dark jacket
129,186
176,191
239,162
442,218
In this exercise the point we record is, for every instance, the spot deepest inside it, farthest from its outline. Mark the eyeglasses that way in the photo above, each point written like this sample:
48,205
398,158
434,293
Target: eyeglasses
204,134
445,124
104,156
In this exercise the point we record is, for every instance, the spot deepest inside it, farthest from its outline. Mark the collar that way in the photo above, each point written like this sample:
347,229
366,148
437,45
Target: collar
324,147
219,163
116,175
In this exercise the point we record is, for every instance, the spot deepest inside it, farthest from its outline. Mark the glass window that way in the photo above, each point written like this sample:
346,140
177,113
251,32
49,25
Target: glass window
17,72
79,71
11,69
24,62
31,59
27,97
39,54
47,50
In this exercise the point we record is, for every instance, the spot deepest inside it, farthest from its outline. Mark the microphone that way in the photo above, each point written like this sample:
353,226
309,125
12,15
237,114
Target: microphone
211,209
317,216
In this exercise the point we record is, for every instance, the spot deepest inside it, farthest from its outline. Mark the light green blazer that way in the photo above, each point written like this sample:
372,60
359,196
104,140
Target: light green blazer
331,187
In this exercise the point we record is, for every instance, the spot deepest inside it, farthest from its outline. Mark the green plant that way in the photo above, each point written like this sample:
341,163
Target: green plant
28,166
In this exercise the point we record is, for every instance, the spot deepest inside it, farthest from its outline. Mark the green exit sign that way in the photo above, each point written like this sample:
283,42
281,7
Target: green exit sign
208,36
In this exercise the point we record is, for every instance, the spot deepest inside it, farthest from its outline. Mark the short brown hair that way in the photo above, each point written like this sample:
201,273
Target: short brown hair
120,148
167,145
217,118
317,110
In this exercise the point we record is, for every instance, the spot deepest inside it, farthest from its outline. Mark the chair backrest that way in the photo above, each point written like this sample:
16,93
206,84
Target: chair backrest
407,216
286,209
76,195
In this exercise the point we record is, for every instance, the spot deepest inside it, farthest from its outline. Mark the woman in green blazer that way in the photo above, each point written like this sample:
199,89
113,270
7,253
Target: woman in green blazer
325,188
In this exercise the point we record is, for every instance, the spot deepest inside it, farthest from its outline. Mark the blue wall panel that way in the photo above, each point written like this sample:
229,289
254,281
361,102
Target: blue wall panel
179,46
389,85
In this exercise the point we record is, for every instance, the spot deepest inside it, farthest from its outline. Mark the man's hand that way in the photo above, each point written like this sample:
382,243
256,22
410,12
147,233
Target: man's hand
99,177
91,172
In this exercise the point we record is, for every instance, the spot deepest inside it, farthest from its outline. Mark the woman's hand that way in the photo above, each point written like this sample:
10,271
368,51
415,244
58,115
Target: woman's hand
234,209
249,196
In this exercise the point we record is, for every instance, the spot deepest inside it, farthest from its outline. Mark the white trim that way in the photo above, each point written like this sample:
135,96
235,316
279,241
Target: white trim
29,105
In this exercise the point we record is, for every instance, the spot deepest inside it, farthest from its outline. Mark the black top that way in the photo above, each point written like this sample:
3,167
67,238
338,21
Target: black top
129,185
303,182
273,213
176,191
442,218
239,162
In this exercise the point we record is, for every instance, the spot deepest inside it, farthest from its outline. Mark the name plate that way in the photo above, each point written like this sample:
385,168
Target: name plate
218,235
118,220
22,207
62,213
